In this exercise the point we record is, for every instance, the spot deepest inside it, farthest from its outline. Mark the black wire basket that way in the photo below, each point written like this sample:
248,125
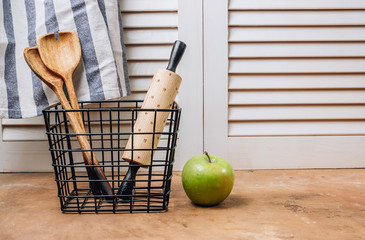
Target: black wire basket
108,126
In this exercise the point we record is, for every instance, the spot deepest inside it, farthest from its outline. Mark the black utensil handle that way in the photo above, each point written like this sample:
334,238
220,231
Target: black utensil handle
126,188
103,185
96,190
176,54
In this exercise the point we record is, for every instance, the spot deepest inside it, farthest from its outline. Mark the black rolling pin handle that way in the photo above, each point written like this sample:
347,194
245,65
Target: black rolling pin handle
176,54
126,188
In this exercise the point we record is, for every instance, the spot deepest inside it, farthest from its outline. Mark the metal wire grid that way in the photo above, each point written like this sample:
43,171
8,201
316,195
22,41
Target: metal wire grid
108,126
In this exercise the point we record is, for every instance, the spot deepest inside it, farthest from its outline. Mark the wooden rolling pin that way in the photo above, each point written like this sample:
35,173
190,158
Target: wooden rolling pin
161,95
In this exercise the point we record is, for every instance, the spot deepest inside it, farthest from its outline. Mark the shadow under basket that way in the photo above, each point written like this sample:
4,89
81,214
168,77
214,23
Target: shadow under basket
108,126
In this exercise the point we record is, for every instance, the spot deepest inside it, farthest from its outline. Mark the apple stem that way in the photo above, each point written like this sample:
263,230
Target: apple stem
205,152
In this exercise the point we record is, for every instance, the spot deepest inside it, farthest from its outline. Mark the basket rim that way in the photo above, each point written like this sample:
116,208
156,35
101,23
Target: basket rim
51,108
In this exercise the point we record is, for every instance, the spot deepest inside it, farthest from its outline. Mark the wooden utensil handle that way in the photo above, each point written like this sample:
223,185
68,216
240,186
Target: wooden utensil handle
94,185
89,156
73,99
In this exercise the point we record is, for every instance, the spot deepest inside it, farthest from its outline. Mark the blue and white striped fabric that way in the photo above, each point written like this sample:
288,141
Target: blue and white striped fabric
102,72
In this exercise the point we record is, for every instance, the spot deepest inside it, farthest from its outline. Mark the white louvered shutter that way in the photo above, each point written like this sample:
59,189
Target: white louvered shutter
285,80
150,28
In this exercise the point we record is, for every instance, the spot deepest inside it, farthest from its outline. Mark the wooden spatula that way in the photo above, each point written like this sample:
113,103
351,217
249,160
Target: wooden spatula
53,81
62,56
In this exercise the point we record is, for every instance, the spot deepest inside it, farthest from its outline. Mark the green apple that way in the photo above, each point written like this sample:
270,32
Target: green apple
207,179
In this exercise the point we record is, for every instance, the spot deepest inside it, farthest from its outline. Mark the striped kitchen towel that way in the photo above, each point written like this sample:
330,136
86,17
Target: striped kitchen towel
102,73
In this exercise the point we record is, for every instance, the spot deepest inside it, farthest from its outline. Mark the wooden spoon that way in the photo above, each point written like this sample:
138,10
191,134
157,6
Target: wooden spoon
53,81
62,57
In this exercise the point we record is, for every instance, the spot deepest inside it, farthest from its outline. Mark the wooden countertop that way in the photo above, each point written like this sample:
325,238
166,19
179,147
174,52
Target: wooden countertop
265,204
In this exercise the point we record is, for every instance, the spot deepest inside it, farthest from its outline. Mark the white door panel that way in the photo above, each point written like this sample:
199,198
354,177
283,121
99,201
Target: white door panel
284,88
298,4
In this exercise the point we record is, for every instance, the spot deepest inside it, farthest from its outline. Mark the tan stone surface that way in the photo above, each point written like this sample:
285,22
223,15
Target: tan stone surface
275,204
